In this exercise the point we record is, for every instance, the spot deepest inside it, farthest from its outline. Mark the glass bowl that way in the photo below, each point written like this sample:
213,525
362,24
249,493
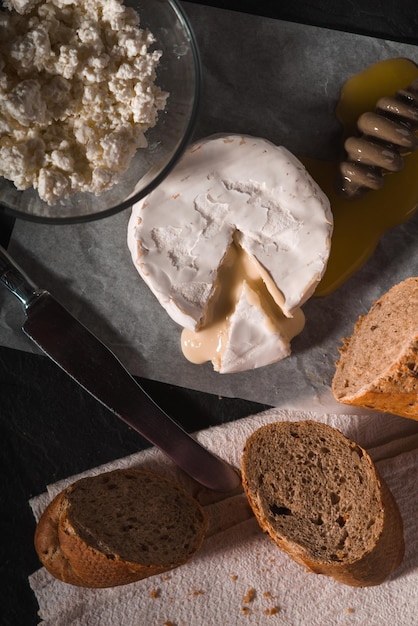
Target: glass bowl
178,73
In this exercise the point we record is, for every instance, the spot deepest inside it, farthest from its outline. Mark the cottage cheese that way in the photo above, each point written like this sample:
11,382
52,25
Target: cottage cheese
77,94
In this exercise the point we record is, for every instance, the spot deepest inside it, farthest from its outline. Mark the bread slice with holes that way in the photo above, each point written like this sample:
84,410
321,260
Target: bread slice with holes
378,364
320,498
119,527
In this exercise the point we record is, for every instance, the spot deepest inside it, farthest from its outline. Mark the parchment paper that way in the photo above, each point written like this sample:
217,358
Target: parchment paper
263,77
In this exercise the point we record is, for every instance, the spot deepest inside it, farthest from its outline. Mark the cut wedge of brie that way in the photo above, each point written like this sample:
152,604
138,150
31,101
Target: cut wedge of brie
232,244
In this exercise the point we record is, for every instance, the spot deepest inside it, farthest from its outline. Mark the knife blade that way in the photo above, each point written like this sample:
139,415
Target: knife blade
89,362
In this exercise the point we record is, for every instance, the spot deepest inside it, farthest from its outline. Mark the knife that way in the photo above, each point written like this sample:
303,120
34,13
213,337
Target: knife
93,366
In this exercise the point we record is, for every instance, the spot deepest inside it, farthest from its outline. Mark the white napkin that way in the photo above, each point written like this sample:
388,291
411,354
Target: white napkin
239,576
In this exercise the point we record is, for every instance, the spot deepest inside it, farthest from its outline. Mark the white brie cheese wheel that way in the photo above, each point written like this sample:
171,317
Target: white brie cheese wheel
234,193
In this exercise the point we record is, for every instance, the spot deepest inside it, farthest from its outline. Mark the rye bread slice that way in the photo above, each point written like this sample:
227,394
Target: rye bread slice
320,498
119,527
378,364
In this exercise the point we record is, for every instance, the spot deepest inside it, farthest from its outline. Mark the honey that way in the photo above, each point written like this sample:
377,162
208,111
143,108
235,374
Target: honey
359,223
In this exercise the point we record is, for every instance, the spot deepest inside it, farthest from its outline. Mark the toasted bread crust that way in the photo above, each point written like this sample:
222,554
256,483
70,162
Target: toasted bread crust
47,544
71,558
378,364
383,551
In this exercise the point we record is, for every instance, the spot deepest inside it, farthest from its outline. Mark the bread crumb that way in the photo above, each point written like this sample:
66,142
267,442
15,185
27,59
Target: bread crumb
349,610
267,594
234,578
249,596
155,593
272,611
197,592
245,610
169,623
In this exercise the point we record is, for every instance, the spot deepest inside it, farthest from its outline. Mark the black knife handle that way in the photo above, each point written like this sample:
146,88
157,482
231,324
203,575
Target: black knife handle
16,281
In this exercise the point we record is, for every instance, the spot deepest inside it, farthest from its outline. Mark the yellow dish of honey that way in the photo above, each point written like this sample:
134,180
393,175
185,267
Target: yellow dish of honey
359,223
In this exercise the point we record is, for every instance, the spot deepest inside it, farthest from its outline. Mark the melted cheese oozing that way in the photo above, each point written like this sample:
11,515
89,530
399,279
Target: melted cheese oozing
242,306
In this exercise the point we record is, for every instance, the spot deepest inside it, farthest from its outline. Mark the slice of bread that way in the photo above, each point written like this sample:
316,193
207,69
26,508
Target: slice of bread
378,365
320,498
117,528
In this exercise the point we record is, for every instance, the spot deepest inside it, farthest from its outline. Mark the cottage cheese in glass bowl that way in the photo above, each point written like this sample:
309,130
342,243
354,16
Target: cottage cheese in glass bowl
98,100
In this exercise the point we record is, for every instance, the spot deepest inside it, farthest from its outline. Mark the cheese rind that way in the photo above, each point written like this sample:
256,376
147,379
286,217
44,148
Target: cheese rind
231,191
